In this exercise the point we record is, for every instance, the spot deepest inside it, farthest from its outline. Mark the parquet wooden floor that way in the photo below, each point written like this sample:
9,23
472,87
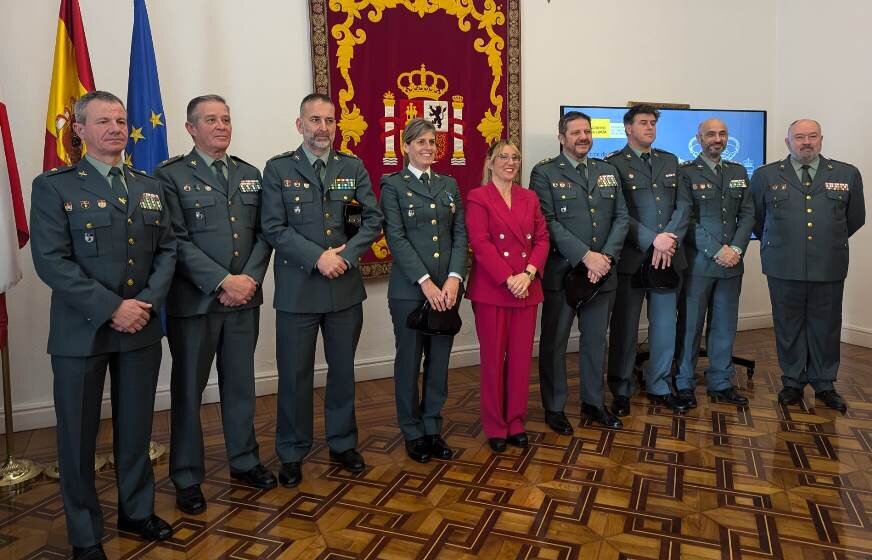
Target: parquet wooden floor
718,482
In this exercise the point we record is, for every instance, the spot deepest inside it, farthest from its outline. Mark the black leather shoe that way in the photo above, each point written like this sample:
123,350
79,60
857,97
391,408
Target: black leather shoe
688,397
151,529
833,400
790,395
557,421
350,459
498,444
621,406
730,396
190,500
439,449
518,440
668,400
602,416
258,476
418,449
89,552
291,474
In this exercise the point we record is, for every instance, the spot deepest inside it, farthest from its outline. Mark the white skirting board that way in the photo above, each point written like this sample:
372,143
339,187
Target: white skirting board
33,415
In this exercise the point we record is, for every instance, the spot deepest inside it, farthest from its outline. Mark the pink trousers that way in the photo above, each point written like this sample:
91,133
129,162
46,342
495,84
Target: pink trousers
505,337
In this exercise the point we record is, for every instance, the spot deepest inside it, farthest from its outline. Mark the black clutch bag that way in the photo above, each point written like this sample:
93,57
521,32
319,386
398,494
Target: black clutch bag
652,278
437,323
578,287
352,217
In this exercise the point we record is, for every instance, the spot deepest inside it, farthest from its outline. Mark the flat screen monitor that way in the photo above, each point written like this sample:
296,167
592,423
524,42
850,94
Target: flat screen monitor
676,132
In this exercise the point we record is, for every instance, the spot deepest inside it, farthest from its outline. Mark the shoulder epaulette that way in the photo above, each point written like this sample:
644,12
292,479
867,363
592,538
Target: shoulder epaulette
391,174
347,154
171,160
612,154
545,160
139,172
840,162
687,163
282,155
239,159
59,170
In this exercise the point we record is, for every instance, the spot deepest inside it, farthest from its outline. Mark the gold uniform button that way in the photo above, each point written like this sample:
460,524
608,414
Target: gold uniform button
232,218
130,282
432,206
157,222
296,199
435,255
89,225
130,262
654,185
435,238
326,214
131,241
433,222
235,236
593,210
809,224
235,253
196,205
129,220
594,224
590,196
809,210
808,197
656,198
229,203
563,197
329,232
593,239
810,237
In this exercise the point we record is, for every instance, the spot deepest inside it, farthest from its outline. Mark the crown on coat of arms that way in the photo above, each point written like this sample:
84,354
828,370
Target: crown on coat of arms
422,84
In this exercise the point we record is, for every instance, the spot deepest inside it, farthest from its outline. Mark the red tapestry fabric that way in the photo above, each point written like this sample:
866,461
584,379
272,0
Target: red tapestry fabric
384,62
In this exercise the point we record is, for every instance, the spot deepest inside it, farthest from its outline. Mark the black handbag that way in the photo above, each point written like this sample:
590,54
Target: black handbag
578,287
352,217
437,323
652,278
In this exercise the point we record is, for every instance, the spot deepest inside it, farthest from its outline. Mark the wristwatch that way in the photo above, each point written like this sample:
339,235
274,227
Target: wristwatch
529,274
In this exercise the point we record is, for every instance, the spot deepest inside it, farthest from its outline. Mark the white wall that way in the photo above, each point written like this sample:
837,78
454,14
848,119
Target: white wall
707,55
824,74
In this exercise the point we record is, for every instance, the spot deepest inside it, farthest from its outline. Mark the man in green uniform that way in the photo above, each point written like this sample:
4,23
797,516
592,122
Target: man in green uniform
807,207
659,209
307,194
721,219
583,205
102,241
214,302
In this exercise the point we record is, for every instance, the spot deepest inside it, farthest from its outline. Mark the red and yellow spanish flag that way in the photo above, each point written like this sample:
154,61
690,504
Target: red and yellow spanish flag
70,78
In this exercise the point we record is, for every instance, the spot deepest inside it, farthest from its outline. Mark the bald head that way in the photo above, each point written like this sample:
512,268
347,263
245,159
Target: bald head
712,135
804,140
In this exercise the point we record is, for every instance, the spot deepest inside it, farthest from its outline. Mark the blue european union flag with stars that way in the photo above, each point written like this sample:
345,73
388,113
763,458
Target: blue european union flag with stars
147,144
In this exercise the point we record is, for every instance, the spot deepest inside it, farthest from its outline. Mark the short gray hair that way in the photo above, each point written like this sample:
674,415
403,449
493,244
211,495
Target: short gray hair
195,102
81,107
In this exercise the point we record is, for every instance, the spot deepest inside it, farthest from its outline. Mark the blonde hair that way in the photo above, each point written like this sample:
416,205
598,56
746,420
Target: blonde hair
492,154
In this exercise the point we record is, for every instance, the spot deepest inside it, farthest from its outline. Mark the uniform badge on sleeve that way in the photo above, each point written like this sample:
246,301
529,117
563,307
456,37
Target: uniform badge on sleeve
150,201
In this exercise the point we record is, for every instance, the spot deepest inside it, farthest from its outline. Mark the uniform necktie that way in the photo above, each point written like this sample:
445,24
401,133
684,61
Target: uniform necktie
320,170
646,157
582,170
219,173
425,178
806,176
718,170
117,185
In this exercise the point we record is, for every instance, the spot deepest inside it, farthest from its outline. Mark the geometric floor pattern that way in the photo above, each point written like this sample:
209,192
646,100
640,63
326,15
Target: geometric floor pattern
720,482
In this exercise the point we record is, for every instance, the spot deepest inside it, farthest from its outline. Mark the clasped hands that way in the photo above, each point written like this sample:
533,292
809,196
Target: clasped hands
598,265
665,245
727,257
331,264
441,299
236,290
131,316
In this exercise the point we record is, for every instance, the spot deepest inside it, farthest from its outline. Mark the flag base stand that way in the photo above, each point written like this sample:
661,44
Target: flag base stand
16,475
53,470
155,452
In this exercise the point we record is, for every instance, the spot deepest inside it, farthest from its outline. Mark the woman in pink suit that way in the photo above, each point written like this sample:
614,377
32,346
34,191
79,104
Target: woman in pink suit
509,243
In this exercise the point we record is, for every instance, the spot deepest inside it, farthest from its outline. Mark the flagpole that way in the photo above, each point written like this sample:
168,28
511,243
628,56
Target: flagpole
15,474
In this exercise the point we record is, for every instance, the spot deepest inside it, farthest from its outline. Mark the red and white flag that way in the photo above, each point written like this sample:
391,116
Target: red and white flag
13,221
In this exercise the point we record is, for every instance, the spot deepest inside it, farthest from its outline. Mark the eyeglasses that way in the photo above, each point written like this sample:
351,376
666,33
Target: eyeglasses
506,157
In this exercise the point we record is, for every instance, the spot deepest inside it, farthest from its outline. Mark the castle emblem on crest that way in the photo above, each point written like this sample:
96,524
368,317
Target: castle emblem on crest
424,91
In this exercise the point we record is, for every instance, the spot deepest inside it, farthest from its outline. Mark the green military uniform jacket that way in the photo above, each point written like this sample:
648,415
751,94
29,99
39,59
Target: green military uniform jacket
218,232
95,248
722,214
301,220
804,231
656,204
425,231
580,219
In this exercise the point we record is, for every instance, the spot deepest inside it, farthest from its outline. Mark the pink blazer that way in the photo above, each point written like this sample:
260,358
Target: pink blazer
503,242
